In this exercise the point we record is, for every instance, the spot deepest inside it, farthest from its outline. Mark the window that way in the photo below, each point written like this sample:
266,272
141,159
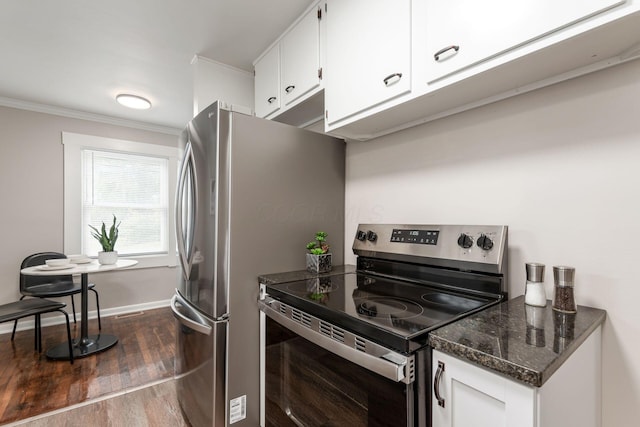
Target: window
131,180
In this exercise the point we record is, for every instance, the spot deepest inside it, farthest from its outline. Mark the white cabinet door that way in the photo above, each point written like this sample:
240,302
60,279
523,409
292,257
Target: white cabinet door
368,54
469,396
267,83
300,50
461,33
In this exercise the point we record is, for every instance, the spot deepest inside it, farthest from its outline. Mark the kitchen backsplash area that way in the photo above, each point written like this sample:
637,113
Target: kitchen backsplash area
559,167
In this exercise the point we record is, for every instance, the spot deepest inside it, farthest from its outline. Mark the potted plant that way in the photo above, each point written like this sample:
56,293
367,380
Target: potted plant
108,241
319,258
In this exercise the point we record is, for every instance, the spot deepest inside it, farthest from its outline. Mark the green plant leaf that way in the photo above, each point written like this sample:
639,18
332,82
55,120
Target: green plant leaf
106,240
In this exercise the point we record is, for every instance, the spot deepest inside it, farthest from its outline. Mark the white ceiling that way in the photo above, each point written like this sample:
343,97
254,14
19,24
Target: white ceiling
78,54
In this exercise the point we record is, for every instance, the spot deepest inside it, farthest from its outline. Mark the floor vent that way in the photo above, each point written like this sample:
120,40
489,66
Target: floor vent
124,316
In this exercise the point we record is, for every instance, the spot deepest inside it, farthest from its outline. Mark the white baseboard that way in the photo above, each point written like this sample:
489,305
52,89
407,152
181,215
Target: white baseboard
57,319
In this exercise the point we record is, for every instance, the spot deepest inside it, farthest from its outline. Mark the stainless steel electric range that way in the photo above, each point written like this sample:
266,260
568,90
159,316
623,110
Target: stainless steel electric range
351,348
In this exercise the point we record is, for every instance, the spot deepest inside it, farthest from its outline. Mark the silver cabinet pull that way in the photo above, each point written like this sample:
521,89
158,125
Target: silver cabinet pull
387,79
436,383
271,99
289,88
436,55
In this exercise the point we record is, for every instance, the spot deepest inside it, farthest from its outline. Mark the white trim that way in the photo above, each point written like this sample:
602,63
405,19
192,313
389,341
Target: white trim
73,146
197,58
82,115
28,322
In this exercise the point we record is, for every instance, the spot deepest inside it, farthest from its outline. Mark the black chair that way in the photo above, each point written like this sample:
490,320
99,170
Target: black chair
35,307
51,286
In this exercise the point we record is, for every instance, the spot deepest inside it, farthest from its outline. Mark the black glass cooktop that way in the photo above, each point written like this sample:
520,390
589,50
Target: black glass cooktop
377,308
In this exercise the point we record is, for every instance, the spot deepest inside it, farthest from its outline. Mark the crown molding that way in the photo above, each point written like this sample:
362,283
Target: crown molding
83,115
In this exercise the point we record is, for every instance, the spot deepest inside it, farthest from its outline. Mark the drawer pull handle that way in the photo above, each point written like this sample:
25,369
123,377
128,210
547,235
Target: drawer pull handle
436,383
389,77
271,99
436,56
289,88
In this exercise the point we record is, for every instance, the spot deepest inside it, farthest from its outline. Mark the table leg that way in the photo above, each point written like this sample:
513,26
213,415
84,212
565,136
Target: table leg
87,344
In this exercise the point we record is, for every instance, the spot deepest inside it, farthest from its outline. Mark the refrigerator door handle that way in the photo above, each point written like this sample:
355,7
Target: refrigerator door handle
199,325
185,243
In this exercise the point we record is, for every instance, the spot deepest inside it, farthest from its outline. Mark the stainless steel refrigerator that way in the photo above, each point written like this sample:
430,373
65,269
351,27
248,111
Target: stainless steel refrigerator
251,193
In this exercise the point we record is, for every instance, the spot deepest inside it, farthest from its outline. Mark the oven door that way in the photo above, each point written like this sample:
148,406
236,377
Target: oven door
307,381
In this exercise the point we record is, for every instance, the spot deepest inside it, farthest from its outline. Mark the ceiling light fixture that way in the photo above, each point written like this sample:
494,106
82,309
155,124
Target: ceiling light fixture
133,101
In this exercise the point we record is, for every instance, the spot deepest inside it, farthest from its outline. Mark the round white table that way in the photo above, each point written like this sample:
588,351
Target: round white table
87,344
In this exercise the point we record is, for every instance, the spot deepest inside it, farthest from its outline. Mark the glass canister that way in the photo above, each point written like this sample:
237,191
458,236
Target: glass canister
534,293
563,297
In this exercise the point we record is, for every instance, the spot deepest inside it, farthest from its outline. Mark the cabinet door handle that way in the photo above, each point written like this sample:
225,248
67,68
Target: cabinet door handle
271,99
390,76
436,55
289,88
436,383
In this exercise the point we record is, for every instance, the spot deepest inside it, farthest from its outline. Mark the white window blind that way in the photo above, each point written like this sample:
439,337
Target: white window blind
134,189
132,180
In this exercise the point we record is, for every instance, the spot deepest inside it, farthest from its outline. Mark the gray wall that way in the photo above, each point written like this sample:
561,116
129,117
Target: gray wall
31,172
561,167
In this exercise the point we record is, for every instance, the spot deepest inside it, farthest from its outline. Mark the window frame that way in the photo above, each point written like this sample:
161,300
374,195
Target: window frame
73,144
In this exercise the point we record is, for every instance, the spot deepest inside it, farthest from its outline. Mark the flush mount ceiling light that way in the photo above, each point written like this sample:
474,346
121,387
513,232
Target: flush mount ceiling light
133,101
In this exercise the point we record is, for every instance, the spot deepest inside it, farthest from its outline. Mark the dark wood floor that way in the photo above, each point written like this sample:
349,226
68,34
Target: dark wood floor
150,406
31,385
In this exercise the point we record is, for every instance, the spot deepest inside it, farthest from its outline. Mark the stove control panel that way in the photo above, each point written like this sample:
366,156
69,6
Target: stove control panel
421,237
465,247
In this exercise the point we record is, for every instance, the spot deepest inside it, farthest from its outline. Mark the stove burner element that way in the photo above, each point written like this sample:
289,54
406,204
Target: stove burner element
388,307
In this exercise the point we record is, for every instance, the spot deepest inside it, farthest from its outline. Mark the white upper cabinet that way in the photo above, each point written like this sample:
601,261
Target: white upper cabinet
461,33
489,50
300,51
290,71
267,83
368,55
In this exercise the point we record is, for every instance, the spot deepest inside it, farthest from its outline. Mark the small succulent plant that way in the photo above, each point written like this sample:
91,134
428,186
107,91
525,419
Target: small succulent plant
319,246
106,240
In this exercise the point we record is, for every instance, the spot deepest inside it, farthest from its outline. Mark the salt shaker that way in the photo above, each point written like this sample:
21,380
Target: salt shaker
534,292
535,333
563,299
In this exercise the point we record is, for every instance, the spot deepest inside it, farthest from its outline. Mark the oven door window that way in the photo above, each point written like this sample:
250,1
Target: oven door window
306,385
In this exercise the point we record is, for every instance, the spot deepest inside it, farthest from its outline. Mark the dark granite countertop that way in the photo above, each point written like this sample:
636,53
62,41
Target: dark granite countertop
525,343
294,276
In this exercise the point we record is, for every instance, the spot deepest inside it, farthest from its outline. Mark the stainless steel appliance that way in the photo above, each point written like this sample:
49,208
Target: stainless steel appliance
250,192
351,348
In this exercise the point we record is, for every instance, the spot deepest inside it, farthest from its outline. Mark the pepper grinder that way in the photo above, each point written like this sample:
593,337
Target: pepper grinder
563,299
534,292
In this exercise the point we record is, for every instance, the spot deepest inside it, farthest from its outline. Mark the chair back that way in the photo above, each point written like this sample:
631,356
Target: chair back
27,282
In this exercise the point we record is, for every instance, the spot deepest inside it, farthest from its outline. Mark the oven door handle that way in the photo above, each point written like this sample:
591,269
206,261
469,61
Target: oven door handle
394,366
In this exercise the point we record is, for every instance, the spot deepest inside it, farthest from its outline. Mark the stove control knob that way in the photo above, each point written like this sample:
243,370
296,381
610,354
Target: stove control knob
485,243
372,236
464,241
361,235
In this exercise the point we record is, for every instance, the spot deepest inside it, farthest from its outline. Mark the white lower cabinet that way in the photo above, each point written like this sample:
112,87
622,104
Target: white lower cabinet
467,395
471,396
